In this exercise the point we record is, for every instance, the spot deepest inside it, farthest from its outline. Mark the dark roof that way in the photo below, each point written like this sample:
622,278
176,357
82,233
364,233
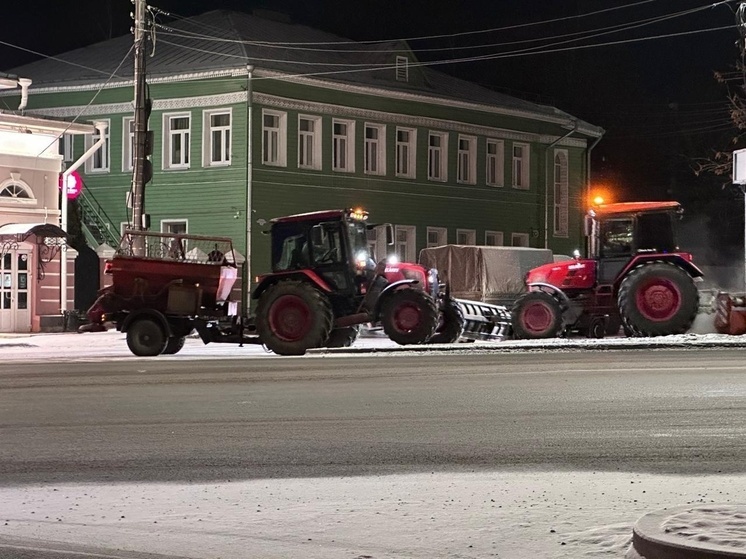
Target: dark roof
237,38
635,207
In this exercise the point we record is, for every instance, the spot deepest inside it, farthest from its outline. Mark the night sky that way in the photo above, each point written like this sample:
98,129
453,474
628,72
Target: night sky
657,99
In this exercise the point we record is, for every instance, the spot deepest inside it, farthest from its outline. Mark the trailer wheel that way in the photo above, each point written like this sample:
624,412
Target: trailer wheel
292,317
535,315
451,324
343,337
146,338
658,299
174,345
410,316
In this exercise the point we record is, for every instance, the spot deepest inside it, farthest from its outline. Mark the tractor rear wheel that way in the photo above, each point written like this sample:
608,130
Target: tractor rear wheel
410,316
658,299
536,315
292,317
343,337
450,324
146,338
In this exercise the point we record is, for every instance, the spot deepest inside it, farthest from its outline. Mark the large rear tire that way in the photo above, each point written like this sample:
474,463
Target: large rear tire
658,299
343,337
146,338
450,324
292,317
536,315
174,345
410,316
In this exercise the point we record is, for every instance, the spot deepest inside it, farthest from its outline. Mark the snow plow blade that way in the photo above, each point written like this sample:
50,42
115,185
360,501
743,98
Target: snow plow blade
730,313
485,321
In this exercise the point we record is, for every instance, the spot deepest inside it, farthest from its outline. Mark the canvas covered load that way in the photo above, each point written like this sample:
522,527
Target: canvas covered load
484,273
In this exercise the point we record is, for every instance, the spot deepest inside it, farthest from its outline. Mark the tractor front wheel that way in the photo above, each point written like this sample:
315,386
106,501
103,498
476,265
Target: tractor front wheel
292,317
174,345
410,316
450,324
536,315
658,299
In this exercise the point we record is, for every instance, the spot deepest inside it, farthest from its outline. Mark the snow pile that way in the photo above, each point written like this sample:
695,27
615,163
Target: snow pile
722,526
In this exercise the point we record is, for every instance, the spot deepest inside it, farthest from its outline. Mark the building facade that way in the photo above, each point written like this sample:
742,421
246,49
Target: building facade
246,130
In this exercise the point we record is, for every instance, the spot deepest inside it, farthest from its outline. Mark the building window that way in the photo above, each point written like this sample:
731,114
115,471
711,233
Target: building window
467,160
274,138
495,163
437,156
15,190
561,194
519,239
128,143
176,130
99,163
174,226
520,166
493,238
466,237
375,149
66,147
402,69
309,142
437,236
404,243
343,145
406,148
216,139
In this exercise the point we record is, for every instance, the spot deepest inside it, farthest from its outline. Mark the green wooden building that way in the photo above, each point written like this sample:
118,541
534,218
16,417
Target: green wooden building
252,112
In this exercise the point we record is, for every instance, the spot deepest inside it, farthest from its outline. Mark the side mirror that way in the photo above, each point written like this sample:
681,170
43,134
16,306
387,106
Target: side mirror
389,234
317,235
587,226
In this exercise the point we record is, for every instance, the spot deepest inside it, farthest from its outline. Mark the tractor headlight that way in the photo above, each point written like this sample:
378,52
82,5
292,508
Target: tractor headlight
393,259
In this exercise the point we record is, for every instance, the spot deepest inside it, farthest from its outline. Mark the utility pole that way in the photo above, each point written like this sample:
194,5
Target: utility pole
142,169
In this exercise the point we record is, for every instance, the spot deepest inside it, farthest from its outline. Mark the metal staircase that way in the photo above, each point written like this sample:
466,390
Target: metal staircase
98,228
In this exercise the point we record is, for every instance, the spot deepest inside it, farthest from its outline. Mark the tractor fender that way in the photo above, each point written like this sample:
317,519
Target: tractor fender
153,314
387,291
551,289
301,275
676,259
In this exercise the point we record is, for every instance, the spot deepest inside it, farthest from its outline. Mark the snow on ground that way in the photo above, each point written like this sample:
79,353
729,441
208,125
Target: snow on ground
507,514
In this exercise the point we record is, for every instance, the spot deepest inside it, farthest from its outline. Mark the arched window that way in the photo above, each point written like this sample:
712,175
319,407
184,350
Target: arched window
561,194
15,189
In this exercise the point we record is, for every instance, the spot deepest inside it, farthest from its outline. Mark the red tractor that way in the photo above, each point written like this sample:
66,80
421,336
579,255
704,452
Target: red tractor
634,277
323,285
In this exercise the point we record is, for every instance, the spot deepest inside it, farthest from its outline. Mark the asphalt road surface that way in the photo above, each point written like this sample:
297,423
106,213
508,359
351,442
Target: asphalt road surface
680,411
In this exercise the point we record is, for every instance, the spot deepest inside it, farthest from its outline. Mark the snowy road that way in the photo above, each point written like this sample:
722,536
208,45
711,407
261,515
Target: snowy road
449,455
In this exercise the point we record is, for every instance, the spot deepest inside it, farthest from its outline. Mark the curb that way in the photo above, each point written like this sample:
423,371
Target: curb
675,533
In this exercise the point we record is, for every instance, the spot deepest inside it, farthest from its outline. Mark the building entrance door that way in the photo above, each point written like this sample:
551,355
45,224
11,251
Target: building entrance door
15,296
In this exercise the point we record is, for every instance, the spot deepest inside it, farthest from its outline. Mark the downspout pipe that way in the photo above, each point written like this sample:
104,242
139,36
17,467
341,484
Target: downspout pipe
246,296
25,83
546,180
101,127
588,165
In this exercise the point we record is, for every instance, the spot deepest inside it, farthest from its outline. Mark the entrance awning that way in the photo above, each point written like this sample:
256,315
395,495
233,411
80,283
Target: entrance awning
24,230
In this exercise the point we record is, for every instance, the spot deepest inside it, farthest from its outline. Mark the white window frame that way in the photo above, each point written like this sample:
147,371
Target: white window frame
520,166
523,238
21,185
402,69
168,142
409,246
374,162
441,239
408,151
437,170
128,143
471,235
310,140
497,235
104,151
495,163
343,143
279,133
561,193
67,147
467,160
166,222
208,137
